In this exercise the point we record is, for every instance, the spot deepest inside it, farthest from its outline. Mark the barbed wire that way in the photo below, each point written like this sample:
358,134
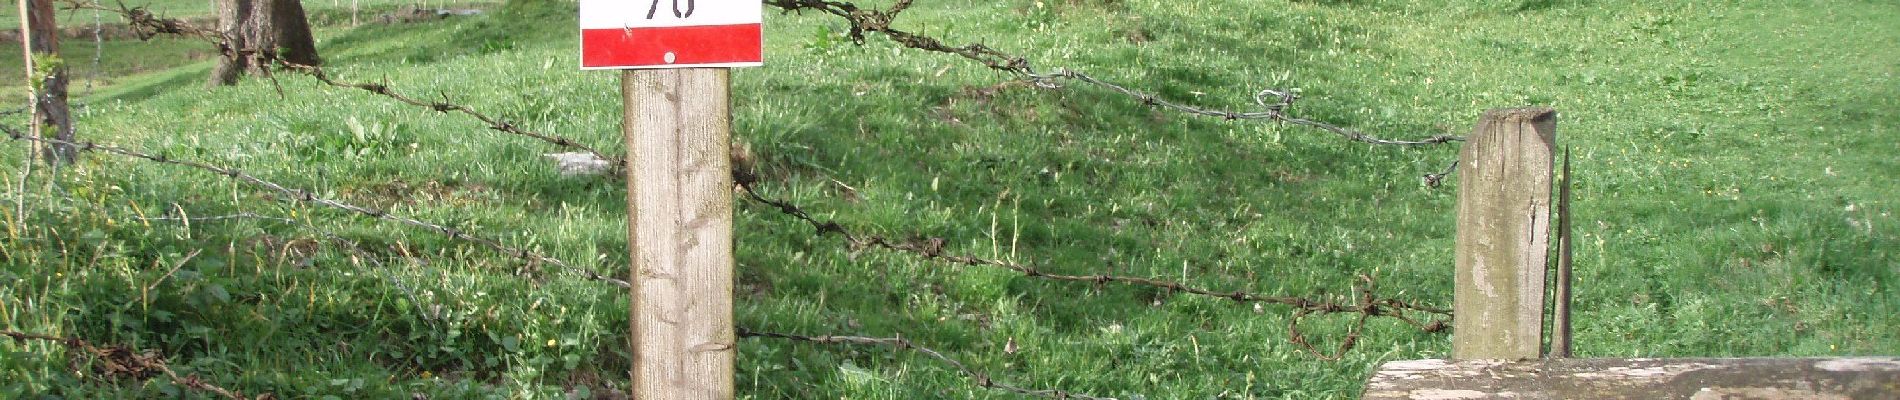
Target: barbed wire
1434,180
981,380
305,196
122,362
874,20
356,249
1368,305
1274,105
148,25
977,379
448,106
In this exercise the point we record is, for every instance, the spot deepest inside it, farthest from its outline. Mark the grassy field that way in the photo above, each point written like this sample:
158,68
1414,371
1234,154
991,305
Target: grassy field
1734,162
96,62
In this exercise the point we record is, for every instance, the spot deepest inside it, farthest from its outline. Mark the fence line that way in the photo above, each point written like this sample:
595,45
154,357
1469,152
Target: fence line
117,357
873,20
154,25
152,362
1367,306
1273,103
878,21
306,196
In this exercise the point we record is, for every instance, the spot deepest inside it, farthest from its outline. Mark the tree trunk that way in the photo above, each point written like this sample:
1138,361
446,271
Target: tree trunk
46,76
258,33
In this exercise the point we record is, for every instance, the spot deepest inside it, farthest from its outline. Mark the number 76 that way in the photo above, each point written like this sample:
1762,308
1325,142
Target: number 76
677,13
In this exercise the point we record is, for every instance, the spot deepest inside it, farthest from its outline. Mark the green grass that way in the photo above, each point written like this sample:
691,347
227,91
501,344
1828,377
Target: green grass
1734,164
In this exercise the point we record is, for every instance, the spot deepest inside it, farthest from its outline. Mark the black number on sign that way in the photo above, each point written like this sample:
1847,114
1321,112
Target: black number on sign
676,9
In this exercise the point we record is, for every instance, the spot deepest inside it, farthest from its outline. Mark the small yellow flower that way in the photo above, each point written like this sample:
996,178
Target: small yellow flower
550,342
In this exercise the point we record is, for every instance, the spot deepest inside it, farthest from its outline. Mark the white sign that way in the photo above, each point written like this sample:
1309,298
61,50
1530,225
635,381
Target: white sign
622,34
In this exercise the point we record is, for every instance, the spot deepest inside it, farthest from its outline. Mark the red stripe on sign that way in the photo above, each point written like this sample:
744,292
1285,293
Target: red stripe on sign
711,44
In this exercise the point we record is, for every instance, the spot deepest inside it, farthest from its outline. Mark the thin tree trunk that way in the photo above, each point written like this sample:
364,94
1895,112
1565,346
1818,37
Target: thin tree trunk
291,29
46,75
260,32
232,18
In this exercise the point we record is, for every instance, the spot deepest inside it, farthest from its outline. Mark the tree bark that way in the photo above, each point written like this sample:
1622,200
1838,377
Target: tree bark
46,76
258,33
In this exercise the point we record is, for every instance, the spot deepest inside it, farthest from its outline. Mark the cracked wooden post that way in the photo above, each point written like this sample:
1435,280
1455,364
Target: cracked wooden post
1503,240
679,226
1504,203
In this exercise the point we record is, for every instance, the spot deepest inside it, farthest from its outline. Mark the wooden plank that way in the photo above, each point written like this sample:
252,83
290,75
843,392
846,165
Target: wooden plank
1685,378
1503,234
679,202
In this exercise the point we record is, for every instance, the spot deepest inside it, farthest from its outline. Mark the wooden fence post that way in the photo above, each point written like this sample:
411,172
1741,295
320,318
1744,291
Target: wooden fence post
1503,234
679,223
1503,247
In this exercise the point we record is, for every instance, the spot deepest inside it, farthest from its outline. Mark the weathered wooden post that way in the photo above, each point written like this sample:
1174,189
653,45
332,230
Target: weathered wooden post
677,126
1503,246
1503,234
679,225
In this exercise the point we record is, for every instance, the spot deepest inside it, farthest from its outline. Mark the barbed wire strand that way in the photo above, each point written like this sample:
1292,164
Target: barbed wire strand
121,361
1367,306
304,196
863,20
977,379
873,20
149,25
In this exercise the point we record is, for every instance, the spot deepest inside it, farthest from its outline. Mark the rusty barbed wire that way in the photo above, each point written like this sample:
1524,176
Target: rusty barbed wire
146,25
977,379
447,106
123,362
1434,180
1274,104
149,25
305,196
356,249
873,20
1367,306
